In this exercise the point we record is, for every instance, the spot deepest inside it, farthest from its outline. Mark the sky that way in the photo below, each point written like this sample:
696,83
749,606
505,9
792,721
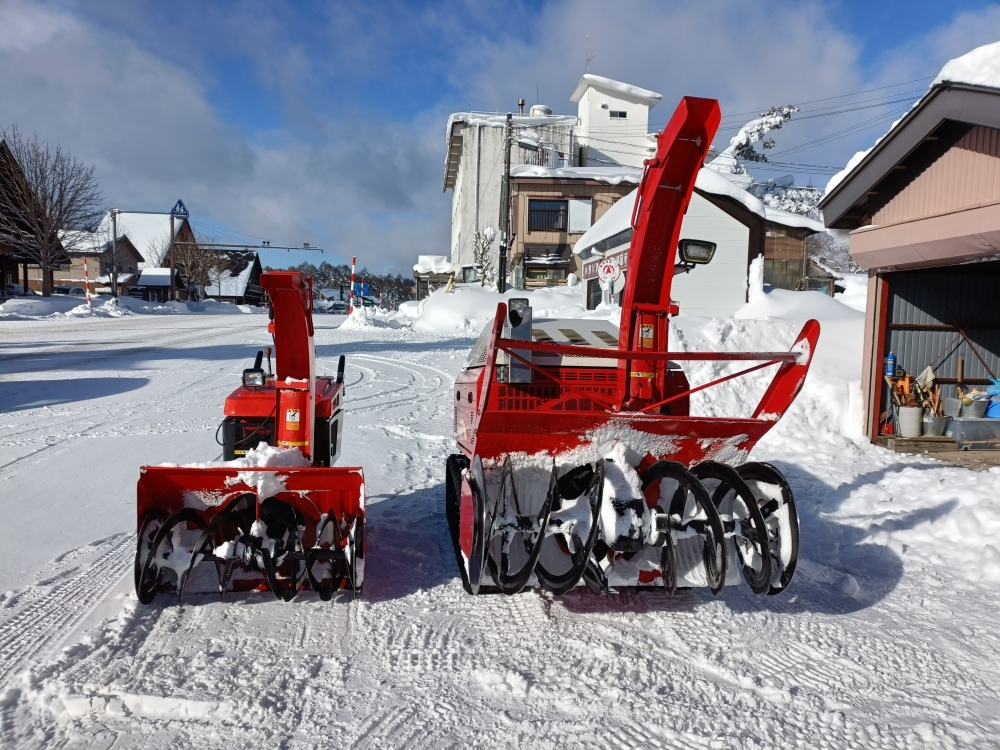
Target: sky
325,122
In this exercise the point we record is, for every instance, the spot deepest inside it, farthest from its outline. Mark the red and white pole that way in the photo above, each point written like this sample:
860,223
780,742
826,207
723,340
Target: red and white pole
350,307
86,279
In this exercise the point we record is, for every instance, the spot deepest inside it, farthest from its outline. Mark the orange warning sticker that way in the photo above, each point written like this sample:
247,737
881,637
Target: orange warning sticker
292,419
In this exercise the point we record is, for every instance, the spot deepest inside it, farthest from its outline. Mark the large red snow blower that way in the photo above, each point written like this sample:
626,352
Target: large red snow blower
279,517
580,461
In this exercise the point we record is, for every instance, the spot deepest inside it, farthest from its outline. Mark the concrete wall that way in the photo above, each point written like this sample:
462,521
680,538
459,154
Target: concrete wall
607,141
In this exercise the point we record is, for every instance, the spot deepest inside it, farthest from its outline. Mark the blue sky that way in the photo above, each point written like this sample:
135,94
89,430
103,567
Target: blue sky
324,122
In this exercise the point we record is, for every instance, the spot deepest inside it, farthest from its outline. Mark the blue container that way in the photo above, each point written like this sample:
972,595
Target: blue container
890,365
993,410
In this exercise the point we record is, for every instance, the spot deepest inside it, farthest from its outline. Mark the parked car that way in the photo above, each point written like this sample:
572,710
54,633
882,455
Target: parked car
336,307
16,290
70,291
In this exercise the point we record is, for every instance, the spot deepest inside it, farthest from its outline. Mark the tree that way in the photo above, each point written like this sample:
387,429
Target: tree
46,197
198,264
482,257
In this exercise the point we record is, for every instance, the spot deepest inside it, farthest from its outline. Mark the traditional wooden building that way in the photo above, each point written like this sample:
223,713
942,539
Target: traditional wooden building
923,207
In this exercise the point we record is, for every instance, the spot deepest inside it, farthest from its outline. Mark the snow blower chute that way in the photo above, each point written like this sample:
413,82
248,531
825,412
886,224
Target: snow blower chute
580,461
291,522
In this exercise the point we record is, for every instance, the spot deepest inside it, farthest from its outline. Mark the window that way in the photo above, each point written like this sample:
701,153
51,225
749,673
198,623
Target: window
618,114
547,216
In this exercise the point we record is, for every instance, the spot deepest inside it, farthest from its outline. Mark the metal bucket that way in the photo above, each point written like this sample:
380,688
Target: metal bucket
952,406
934,426
976,410
910,418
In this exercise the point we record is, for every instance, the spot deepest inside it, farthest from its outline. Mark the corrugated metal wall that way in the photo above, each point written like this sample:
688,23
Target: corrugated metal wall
928,306
965,176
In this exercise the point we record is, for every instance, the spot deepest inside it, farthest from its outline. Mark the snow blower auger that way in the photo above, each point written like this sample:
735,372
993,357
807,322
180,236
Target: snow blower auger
278,517
580,461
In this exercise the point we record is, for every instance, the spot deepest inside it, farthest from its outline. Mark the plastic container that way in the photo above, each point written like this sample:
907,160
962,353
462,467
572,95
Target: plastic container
910,421
975,410
993,410
934,426
889,365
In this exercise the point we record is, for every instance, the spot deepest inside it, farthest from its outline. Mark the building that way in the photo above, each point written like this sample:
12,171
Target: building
720,211
153,285
923,207
239,281
555,158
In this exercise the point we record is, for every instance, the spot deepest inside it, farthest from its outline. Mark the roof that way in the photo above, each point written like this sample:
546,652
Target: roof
626,90
965,91
143,230
459,120
154,277
235,279
433,264
618,218
610,175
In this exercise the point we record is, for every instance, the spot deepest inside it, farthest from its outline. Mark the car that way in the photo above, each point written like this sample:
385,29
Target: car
16,290
70,291
336,307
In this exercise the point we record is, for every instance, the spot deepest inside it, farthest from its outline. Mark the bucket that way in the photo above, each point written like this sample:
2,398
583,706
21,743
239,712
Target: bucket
993,410
910,419
934,426
952,406
977,409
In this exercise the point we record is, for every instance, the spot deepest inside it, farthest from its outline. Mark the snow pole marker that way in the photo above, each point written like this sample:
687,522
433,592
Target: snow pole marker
86,279
350,306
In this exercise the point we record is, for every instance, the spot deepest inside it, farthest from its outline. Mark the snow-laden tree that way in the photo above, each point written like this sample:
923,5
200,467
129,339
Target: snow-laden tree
781,193
482,256
741,146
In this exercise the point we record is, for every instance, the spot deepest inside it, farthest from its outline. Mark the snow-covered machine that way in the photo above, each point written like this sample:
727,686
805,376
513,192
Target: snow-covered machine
580,462
277,515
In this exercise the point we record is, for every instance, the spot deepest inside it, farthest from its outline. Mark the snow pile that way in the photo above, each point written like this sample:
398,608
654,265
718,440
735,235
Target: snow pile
40,307
855,294
980,67
433,264
783,304
264,456
101,307
207,307
470,307
367,318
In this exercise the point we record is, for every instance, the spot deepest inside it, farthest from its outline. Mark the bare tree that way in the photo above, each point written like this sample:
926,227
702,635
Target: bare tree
157,251
482,256
44,191
198,263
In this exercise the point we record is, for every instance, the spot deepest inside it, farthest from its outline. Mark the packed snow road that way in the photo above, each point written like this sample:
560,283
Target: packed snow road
886,638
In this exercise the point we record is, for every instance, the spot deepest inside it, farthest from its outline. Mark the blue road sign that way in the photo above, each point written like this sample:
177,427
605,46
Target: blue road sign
180,210
360,289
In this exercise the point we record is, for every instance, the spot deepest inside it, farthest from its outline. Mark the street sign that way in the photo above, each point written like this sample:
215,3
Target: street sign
180,210
608,270
360,289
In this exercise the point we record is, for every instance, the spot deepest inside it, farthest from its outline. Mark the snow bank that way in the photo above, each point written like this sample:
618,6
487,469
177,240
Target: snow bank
105,307
40,307
786,305
855,294
469,307
366,318
208,307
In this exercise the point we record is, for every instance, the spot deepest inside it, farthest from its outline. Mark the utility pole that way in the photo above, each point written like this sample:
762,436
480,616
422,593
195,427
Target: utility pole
114,253
505,207
178,211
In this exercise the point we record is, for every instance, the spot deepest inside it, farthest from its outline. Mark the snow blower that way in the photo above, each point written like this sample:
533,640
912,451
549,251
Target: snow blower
581,463
278,515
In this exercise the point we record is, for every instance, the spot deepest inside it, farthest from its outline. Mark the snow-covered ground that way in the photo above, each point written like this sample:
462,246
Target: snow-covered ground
887,636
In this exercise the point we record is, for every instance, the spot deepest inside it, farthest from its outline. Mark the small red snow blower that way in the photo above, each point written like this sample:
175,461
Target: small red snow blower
285,519
580,461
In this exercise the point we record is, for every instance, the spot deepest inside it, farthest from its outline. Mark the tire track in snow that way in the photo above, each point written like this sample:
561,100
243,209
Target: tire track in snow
41,622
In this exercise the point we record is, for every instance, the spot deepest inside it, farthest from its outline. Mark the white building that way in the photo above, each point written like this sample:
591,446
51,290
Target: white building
609,129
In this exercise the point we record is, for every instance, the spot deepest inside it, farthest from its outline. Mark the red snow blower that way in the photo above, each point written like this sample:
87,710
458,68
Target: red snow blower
581,463
283,519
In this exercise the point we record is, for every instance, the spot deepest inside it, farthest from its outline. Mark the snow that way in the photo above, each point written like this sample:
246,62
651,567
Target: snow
433,264
618,218
232,285
627,90
154,277
855,294
145,231
498,120
980,67
886,637
610,175
851,164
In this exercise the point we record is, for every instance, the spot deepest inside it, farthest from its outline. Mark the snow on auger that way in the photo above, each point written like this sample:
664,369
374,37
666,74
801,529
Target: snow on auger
580,461
284,519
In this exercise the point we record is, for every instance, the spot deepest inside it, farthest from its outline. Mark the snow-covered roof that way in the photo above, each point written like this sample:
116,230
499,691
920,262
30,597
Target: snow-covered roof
980,67
154,277
610,175
497,120
588,80
143,230
433,264
232,285
619,217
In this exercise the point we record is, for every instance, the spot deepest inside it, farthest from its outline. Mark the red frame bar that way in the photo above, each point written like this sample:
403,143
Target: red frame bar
586,351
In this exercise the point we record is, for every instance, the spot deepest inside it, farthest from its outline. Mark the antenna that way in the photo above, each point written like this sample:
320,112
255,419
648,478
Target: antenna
587,57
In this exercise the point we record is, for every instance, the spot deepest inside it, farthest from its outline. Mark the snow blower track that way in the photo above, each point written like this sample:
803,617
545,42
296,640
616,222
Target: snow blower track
908,659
